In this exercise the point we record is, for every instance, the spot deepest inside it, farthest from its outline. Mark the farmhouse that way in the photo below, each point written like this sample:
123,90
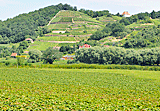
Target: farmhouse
29,39
85,46
14,55
26,52
67,57
56,48
106,46
126,14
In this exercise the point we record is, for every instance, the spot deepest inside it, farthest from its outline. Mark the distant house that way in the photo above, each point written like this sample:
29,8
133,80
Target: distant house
106,46
56,48
67,57
126,14
26,52
58,32
85,46
29,39
14,55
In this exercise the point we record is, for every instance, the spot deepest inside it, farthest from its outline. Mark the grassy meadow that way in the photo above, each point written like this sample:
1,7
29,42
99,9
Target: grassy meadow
79,89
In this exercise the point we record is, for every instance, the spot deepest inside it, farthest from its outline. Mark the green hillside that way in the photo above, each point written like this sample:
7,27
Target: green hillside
68,27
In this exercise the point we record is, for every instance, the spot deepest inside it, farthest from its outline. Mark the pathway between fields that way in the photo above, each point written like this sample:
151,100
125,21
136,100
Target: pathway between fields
53,18
63,41
69,35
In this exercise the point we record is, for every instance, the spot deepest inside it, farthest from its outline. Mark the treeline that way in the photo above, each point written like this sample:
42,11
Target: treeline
118,55
148,37
26,25
112,29
94,14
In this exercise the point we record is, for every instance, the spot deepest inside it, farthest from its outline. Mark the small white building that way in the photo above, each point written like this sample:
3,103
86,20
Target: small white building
29,39
126,14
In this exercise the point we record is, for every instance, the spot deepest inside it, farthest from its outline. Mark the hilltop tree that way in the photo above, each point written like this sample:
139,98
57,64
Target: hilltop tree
153,14
118,14
75,8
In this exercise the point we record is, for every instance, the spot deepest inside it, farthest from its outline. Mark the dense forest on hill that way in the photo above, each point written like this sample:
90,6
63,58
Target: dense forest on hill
26,25
96,13
147,37
114,29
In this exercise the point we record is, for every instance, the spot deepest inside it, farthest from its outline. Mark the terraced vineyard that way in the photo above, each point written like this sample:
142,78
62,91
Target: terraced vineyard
77,25
73,89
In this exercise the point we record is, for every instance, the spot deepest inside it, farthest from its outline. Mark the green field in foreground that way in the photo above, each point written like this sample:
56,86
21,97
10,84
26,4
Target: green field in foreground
79,89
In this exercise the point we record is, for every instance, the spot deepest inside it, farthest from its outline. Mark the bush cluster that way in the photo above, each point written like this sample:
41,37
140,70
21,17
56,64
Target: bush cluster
147,37
114,29
118,55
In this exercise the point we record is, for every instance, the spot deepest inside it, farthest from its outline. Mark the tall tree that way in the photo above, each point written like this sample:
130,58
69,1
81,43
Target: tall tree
50,55
153,14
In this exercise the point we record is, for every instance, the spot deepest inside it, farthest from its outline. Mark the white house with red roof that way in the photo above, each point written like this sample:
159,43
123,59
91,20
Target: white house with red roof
14,55
85,46
106,46
29,39
126,14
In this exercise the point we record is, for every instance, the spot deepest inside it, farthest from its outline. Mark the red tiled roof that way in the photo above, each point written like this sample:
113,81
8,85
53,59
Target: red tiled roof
26,52
106,45
125,13
85,46
14,54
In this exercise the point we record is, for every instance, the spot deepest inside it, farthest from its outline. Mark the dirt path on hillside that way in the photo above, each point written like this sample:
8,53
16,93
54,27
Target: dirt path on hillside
53,18
69,35
63,41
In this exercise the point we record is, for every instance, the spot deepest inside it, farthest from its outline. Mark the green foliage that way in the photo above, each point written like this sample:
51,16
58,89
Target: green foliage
153,14
23,45
31,61
50,54
7,51
15,29
67,49
148,37
35,55
56,38
41,45
114,29
96,13
87,89
20,60
7,63
66,19
117,55
89,42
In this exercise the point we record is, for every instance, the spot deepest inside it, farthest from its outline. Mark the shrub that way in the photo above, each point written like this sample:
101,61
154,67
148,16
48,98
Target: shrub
84,31
7,63
67,31
97,18
7,58
31,61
